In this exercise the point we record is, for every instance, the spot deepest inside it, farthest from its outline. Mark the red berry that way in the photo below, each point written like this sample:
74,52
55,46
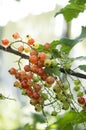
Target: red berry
13,71
34,68
16,35
5,42
20,49
24,84
44,77
26,68
22,74
29,75
29,92
33,52
81,100
47,46
50,79
37,87
40,71
40,63
42,56
36,95
33,59
33,101
31,41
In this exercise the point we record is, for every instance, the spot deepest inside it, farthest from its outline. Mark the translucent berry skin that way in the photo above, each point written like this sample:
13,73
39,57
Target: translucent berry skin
50,80
20,49
36,95
29,75
34,68
40,72
81,100
26,68
42,56
13,71
31,41
33,52
16,35
29,92
5,42
24,84
37,87
33,59
47,46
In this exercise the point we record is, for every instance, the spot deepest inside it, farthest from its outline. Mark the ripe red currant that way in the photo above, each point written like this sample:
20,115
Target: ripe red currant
5,42
20,49
26,68
29,75
50,80
81,100
37,87
16,35
12,71
46,46
33,52
31,41
33,59
42,56
36,95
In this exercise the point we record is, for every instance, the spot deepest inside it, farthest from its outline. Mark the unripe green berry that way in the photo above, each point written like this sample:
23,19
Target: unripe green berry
57,89
44,96
63,98
54,113
67,66
65,86
35,78
49,56
77,82
79,94
23,92
47,62
53,62
38,107
76,88
65,106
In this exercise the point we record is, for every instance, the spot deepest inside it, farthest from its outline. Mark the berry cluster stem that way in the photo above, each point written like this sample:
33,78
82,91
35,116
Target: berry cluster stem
68,71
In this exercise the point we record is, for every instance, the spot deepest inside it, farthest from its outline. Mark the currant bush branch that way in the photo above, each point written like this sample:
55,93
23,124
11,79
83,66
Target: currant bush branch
12,51
24,56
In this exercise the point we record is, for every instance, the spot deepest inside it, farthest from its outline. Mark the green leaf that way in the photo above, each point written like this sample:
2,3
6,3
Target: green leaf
68,44
38,118
68,126
70,119
82,67
80,58
71,11
52,70
40,48
78,1
54,44
55,53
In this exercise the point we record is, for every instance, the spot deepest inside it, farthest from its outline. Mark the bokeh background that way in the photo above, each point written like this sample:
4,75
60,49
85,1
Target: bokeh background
36,18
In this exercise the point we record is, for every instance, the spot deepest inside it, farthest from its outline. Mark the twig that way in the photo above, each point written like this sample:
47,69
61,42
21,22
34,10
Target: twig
10,50
69,71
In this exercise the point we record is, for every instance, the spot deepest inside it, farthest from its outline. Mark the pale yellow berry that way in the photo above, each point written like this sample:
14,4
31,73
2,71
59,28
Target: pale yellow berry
36,46
27,49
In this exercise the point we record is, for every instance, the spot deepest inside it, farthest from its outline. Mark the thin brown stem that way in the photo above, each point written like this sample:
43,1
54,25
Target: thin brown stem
69,71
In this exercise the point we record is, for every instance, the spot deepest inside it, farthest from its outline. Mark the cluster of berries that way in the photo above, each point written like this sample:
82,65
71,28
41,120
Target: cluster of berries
32,78
35,82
